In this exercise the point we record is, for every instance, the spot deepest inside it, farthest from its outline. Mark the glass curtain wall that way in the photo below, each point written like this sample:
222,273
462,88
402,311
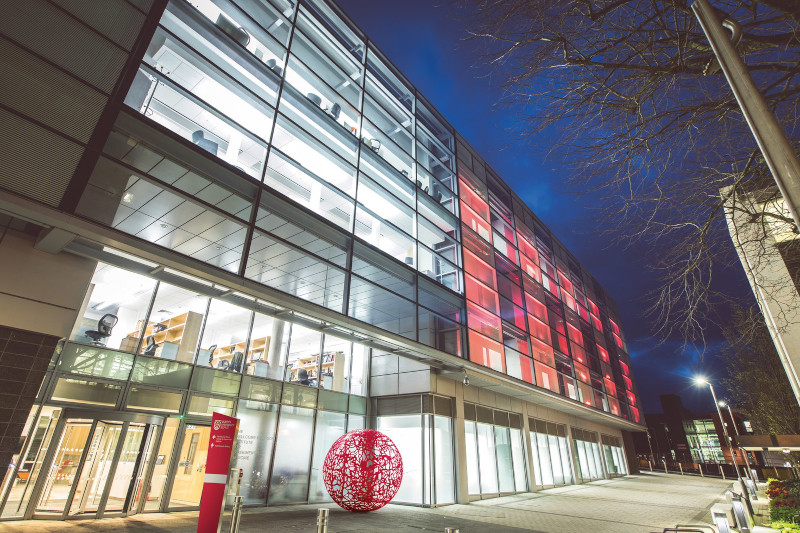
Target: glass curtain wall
495,458
703,441
551,455
586,449
286,117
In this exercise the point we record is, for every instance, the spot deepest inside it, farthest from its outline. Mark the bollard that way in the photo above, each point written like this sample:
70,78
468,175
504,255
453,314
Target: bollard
680,466
722,471
236,514
651,465
322,520
452,530
665,468
700,466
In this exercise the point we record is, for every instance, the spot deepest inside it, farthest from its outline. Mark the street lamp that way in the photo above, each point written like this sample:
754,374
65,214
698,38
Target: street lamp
744,452
699,380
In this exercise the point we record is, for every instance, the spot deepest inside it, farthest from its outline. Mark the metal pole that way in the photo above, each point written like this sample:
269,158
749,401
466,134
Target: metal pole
236,514
650,463
770,136
322,520
665,466
744,452
700,466
681,467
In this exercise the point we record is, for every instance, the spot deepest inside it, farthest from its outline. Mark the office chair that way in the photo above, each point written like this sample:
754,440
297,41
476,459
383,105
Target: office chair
150,349
211,350
315,98
273,66
104,327
236,362
224,364
335,111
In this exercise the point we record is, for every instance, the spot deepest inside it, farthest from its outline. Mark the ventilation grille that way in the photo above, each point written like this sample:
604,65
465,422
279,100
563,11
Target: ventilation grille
116,19
36,163
54,35
34,88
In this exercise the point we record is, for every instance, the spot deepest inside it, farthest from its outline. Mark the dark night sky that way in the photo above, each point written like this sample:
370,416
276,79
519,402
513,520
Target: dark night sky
426,43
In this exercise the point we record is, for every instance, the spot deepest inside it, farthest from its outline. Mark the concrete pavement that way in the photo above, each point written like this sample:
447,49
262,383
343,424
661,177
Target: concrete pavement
634,504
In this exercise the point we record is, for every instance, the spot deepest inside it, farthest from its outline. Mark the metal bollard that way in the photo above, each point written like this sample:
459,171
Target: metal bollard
700,466
680,466
236,514
322,520
665,468
452,530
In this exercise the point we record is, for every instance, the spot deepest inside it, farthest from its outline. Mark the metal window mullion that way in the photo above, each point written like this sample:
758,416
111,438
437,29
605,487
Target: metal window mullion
257,200
79,471
112,469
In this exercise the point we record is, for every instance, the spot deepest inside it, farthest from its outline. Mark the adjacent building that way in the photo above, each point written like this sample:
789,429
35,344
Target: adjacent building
242,206
769,249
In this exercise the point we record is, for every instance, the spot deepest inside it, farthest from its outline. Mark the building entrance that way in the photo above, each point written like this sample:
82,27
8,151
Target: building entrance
97,467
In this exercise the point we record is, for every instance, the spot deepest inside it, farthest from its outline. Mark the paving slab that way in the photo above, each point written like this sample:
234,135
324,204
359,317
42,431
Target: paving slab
633,504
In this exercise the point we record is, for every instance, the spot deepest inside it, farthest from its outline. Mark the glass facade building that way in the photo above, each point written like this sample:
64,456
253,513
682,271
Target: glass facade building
271,222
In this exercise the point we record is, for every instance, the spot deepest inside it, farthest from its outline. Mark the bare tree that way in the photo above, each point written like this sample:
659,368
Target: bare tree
646,119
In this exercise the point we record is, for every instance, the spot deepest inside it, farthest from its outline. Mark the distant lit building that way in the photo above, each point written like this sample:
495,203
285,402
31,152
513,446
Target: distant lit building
677,434
243,207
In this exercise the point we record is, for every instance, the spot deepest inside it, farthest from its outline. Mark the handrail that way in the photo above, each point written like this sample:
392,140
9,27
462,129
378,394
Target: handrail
709,528
682,530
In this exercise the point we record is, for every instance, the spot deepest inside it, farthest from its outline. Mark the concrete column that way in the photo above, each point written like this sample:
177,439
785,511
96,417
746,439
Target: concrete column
274,352
526,432
462,485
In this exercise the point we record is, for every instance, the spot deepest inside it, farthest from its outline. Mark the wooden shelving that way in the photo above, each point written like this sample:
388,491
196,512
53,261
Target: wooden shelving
175,338
332,369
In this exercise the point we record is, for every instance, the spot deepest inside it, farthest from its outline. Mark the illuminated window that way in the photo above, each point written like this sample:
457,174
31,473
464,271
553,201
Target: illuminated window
485,351
481,294
542,352
539,329
483,321
546,376
479,269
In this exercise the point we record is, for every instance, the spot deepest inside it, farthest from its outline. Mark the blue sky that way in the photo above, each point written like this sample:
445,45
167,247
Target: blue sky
427,44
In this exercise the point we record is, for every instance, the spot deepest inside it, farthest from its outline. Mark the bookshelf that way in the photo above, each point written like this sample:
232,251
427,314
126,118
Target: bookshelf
332,369
176,338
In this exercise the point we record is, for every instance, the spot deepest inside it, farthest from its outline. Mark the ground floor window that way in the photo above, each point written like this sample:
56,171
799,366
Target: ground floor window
586,449
615,459
495,458
552,464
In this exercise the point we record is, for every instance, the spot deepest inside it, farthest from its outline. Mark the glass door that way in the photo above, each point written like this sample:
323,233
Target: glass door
98,467
65,466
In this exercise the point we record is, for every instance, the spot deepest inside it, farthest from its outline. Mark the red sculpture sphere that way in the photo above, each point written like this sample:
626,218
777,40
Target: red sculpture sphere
363,470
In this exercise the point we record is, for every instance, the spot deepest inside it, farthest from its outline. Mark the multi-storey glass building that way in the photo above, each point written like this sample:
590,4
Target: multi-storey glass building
242,206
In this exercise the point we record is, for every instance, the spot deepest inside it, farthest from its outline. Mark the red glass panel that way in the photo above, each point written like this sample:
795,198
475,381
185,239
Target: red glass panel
475,222
569,301
474,200
628,382
561,343
597,324
542,352
583,313
535,307
565,283
485,351
614,405
618,340
575,334
527,248
611,388
581,372
481,294
539,329
530,268
483,321
505,248
587,394
482,249
579,354
635,414
473,265
546,376
605,368
614,326
625,369
509,290
516,340
603,354
592,307
550,285
631,398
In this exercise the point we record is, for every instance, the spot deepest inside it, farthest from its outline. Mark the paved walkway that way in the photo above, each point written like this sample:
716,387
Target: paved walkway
635,504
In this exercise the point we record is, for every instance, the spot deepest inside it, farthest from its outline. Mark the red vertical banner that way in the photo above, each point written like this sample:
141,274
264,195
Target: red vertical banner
220,446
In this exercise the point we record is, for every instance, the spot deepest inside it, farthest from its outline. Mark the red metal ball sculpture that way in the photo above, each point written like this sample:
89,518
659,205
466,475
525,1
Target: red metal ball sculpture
363,470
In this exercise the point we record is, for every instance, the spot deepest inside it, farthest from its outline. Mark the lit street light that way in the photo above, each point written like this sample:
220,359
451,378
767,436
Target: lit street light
699,380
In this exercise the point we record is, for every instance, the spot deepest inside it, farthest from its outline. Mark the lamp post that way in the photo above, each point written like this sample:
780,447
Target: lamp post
736,432
704,381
